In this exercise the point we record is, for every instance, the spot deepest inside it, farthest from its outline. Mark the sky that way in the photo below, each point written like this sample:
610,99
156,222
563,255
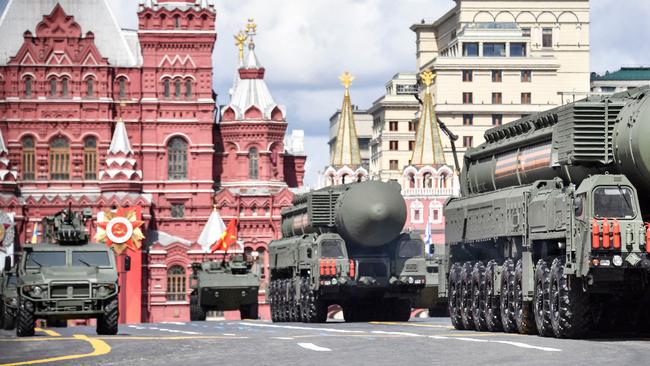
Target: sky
306,45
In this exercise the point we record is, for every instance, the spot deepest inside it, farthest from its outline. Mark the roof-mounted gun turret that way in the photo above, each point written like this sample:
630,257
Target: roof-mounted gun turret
68,227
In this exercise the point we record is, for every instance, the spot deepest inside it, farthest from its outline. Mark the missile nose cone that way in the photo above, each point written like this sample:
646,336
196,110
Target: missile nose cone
378,212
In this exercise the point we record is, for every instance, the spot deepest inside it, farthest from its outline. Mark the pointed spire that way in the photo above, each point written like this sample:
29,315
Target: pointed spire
8,176
428,144
346,149
120,142
3,147
212,230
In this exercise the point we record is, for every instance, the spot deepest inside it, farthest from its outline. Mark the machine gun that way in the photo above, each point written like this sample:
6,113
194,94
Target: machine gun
67,227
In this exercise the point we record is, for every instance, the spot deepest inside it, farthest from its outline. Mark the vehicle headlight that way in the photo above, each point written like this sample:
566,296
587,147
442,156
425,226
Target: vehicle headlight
334,281
411,280
37,291
102,291
14,301
617,260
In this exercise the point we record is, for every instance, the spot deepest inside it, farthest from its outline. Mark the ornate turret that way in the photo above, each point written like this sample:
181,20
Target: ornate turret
345,161
428,144
8,176
120,172
177,4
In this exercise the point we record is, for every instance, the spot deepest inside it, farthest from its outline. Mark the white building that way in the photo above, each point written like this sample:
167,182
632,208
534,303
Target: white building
621,80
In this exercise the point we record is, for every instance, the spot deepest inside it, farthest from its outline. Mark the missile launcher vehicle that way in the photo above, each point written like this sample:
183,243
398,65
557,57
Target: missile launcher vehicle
66,277
548,235
344,245
221,286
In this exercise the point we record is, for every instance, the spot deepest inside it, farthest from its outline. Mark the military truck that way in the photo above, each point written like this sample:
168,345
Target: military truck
66,277
549,235
344,245
224,285
8,296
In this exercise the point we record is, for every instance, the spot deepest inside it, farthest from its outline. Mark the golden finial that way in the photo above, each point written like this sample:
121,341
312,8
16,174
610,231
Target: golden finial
428,77
346,79
251,27
240,39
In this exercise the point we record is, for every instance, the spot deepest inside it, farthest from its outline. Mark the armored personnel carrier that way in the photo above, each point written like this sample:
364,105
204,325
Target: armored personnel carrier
225,285
549,233
344,245
66,277
8,297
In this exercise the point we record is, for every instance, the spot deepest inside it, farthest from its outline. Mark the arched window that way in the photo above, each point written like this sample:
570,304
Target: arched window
177,159
166,88
427,180
411,180
259,263
176,279
90,87
344,178
253,163
64,87
188,88
443,181
177,21
416,212
59,159
177,88
122,87
90,158
53,87
29,159
28,86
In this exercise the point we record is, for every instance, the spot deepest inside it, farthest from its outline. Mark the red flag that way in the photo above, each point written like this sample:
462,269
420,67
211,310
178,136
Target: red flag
228,238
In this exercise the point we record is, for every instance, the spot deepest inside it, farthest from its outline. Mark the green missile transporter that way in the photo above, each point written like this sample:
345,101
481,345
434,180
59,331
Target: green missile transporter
67,278
221,286
344,245
549,235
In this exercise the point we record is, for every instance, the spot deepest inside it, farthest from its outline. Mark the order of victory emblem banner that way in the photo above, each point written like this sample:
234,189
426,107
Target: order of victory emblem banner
121,228
7,232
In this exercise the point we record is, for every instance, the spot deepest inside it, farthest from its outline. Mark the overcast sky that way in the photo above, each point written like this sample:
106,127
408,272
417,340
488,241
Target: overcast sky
305,45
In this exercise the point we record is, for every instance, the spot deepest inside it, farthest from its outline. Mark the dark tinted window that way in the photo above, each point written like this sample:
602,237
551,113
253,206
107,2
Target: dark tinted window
331,249
11,280
99,259
411,248
613,202
45,259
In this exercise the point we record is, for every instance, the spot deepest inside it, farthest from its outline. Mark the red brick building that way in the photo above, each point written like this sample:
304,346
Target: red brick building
95,115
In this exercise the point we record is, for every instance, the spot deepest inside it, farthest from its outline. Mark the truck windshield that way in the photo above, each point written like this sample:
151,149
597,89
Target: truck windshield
613,202
90,259
11,280
410,249
45,259
331,249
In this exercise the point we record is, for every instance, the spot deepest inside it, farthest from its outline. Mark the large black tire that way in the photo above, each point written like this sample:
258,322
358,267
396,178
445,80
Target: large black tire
316,309
570,307
466,296
2,311
196,311
492,302
478,296
524,314
283,301
507,304
351,313
541,304
25,321
401,311
439,310
294,303
272,301
8,320
455,301
107,322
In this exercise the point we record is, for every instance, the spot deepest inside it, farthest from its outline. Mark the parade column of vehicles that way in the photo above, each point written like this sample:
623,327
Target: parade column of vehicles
226,285
67,278
343,245
549,235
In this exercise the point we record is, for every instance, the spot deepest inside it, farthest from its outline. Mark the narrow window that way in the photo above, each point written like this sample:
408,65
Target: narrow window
177,88
53,87
166,88
176,290
178,210
122,85
28,159
90,86
64,87
393,165
28,86
393,145
497,76
177,21
526,76
526,98
468,119
411,145
427,180
90,158
467,98
497,119
188,88
467,141
496,98
392,125
547,37
177,159
467,75
525,32
412,126
59,159
253,163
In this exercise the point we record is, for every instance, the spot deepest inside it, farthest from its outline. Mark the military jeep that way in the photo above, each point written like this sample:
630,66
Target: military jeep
8,298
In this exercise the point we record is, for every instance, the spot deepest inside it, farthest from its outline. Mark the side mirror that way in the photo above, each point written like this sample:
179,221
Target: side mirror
577,206
7,263
432,249
127,263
